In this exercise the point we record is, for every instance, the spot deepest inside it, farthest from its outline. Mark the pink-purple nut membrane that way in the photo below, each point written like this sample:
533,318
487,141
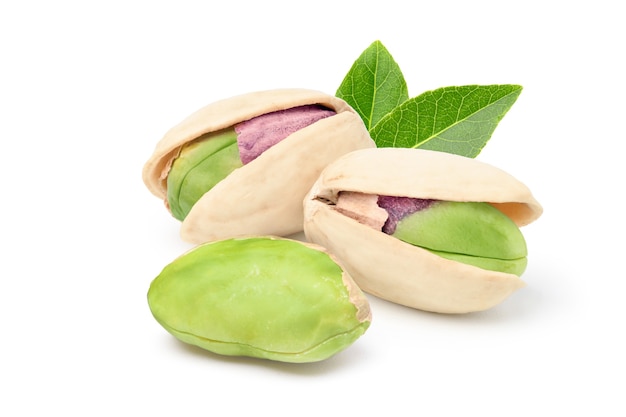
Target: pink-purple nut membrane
206,161
400,207
260,133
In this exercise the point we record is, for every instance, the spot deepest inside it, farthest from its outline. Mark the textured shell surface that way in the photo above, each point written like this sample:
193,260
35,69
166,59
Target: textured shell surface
264,196
221,115
400,272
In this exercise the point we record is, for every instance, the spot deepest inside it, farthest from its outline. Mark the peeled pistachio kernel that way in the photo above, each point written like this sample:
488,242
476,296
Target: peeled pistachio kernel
469,232
263,297
264,196
397,271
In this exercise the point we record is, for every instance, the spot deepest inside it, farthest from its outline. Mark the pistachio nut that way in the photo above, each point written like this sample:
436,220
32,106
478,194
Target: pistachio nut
454,244
224,172
469,232
265,297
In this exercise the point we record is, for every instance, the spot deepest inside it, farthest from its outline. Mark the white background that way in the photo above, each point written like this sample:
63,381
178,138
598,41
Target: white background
86,91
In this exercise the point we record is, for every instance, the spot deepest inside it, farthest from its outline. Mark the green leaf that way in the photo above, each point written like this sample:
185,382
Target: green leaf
457,120
374,86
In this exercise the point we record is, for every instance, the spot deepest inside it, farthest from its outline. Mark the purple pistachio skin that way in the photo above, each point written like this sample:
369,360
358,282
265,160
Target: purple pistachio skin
258,134
400,207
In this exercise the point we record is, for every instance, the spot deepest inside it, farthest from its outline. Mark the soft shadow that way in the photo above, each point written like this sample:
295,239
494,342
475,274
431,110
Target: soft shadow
351,356
525,304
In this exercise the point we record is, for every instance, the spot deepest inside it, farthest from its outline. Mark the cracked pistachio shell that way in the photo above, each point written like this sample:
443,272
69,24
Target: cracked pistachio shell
398,271
263,197
264,297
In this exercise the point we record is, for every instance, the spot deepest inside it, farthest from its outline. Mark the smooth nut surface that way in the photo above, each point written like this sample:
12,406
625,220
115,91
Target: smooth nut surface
398,271
264,297
199,166
468,232
263,197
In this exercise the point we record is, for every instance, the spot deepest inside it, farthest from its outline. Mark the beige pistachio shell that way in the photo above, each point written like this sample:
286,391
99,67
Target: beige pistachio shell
397,271
264,196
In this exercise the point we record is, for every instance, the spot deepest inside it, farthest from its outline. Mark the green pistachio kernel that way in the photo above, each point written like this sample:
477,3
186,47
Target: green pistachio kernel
263,297
473,233
200,165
